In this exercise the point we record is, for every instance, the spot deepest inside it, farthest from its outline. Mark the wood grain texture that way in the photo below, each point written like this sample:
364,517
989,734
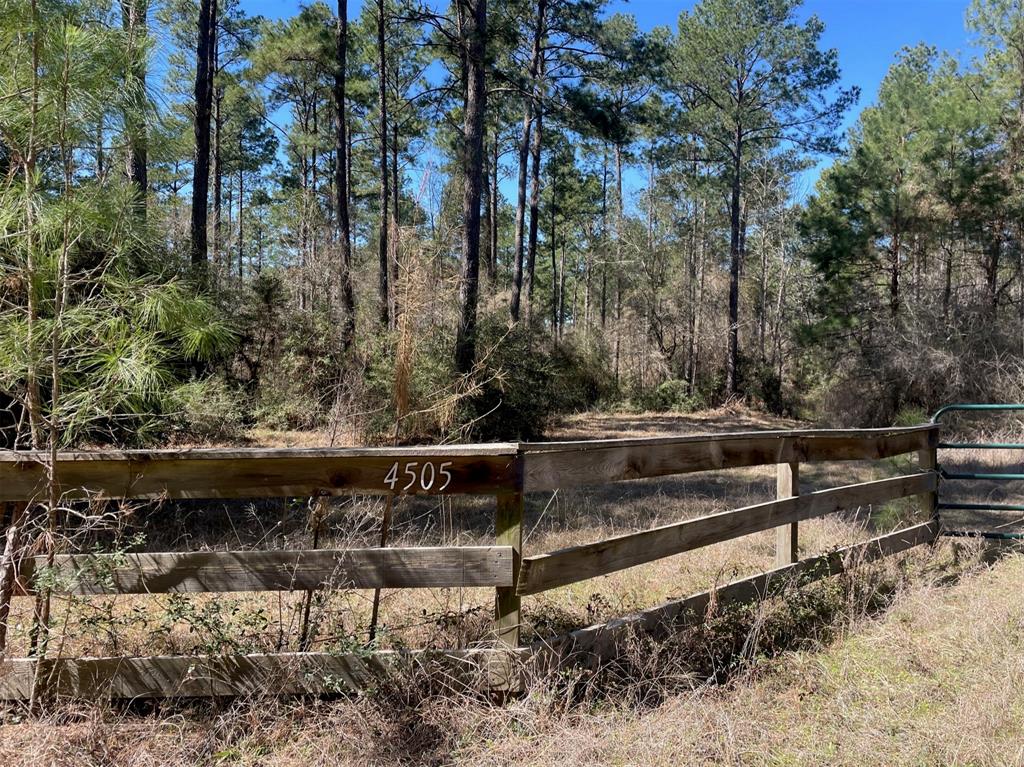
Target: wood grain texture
475,469
508,525
787,537
601,642
234,675
588,561
547,466
225,571
320,673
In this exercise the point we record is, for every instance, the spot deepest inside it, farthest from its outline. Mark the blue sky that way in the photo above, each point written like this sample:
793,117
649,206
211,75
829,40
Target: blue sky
868,35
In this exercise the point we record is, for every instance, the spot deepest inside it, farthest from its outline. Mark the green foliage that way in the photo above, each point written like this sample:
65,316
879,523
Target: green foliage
297,385
206,410
96,330
784,94
527,382
216,626
521,383
765,386
911,416
909,237
672,395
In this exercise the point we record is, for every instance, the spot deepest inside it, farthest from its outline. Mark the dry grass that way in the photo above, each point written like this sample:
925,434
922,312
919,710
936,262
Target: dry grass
939,680
408,720
731,417
936,679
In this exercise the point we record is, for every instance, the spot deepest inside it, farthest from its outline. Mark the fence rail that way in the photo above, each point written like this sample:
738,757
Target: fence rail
504,471
304,570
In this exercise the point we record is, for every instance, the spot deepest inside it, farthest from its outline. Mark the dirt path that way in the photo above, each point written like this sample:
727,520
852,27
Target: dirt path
618,425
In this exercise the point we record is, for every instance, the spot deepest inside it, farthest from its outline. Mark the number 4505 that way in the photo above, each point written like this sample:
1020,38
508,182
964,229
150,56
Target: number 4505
424,475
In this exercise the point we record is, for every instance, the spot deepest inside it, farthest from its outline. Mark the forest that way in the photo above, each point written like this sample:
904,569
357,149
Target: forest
437,222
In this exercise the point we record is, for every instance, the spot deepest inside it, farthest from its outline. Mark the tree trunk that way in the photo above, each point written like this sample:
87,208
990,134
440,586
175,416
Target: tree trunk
993,254
618,259
762,302
735,257
604,238
98,154
696,296
313,208
554,271
894,279
394,241
486,224
530,109
133,20
382,226
241,211
947,287
561,294
492,266
218,173
531,251
474,35
205,45
348,300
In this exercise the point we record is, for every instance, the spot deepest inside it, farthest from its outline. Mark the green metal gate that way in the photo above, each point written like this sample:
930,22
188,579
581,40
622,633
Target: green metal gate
983,526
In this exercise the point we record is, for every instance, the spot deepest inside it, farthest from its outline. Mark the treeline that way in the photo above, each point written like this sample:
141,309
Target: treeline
416,222
917,237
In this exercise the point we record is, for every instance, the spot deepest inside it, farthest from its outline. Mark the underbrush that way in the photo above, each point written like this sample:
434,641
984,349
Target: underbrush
898,377
417,717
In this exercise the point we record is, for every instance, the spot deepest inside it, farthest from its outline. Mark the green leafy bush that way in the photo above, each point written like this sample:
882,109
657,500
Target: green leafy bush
206,410
521,383
527,381
669,396
296,387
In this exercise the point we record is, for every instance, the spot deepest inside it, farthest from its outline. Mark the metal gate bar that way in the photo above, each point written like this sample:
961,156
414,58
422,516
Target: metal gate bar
974,476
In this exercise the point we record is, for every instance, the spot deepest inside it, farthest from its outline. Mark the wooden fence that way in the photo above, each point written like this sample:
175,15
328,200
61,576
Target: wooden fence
504,471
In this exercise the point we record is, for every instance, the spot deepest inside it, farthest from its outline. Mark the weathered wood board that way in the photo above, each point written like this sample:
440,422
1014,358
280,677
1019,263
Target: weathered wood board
600,642
567,464
224,571
257,674
469,469
253,473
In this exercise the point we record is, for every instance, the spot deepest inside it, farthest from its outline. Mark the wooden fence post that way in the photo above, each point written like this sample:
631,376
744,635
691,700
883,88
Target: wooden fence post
508,527
787,485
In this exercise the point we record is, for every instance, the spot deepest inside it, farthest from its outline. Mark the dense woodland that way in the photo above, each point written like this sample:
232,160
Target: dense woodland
429,221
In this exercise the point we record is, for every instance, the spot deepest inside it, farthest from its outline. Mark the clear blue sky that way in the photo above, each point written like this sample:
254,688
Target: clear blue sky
867,33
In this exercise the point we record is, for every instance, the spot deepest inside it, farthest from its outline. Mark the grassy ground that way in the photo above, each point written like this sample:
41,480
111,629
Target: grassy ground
823,676
937,678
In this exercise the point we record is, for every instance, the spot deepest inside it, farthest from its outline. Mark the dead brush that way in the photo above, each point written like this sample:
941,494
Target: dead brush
421,712
729,640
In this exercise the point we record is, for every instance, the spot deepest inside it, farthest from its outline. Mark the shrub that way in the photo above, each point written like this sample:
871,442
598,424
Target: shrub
766,387
207,410
519,391
669,396
297,388
527,381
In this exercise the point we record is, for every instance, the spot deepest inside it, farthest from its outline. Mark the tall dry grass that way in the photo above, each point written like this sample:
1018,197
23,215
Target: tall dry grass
413,719
886,666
